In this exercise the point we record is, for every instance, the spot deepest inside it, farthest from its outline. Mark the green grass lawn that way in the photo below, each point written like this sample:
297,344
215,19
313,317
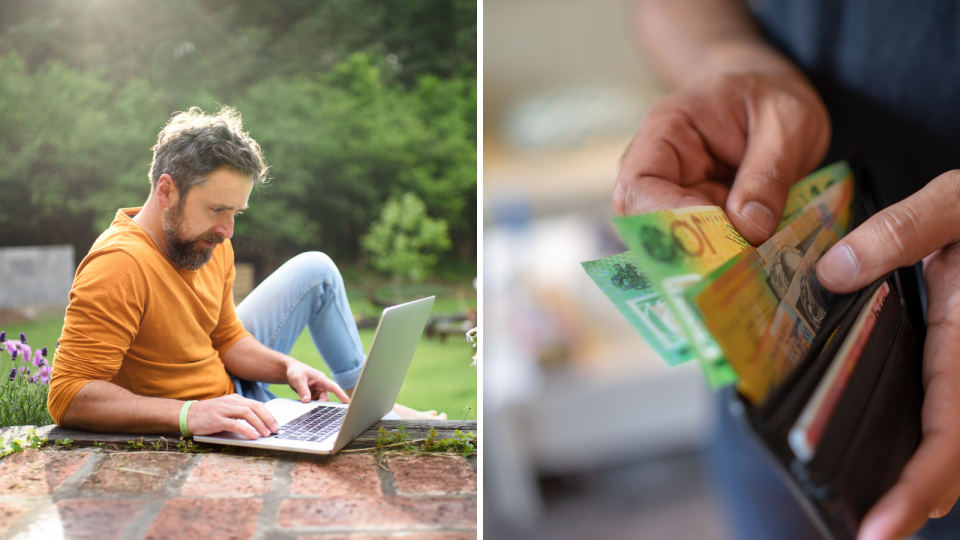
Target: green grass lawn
440,376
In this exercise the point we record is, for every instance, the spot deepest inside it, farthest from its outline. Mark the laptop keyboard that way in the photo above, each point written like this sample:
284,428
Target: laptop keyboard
315,425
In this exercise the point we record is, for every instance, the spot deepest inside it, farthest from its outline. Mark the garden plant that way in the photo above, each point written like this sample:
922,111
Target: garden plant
23,388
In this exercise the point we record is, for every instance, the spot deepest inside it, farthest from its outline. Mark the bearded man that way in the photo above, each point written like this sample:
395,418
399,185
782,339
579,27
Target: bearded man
152,327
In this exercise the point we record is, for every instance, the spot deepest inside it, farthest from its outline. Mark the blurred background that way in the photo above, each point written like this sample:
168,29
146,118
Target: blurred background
366,112
587,433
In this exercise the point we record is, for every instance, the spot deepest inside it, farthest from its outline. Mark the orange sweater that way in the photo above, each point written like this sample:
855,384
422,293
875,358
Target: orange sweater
137,320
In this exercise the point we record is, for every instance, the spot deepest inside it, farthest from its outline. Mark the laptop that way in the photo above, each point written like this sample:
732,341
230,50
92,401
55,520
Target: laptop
322,427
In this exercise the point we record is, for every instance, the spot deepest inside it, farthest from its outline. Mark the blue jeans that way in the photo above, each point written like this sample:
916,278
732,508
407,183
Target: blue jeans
307,291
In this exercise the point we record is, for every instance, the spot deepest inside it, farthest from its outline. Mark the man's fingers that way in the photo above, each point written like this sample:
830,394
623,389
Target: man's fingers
301,386
684,152
653,194
337,391
895,237
927,487
772,163
246,413
930,482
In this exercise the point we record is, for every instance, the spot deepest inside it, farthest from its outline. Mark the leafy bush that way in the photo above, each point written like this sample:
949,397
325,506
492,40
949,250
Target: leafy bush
405,241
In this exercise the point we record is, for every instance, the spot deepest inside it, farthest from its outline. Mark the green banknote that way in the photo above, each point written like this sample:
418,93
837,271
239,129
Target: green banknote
654,301
676,248
739,301
620,278
812,186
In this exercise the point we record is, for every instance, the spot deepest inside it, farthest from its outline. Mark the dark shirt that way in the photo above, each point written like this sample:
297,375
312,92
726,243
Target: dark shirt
889,73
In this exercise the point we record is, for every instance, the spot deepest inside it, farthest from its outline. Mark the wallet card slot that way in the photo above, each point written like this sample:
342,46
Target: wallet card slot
776,419
882,344
888,434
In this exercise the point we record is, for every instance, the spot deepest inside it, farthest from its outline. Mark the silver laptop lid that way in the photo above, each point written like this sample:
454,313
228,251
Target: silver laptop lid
382,376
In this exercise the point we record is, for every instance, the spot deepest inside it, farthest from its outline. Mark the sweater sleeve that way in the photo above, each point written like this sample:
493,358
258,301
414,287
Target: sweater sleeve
102,320
229,328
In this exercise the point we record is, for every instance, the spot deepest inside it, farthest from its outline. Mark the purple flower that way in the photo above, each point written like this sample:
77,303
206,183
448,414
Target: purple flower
43,351
13,374
13,355
23,338
41,363
3,336
26,351
31,379
44,374
37,358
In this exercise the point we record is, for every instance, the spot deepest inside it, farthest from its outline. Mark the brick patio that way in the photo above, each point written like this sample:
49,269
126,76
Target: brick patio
104,494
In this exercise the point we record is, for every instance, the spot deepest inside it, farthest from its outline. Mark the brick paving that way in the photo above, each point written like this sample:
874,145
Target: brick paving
92,493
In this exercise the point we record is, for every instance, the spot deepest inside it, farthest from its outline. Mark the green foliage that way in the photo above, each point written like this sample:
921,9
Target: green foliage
99,444
66,443
187,446
32,440
404,241
460,442
135,445
395,440
352,101
399,441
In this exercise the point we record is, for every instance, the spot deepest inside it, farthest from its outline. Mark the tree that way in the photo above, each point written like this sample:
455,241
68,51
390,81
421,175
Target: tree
405,241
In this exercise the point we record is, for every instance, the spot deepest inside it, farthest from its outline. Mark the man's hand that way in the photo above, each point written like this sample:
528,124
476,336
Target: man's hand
758,132
231,413
925,226
311,384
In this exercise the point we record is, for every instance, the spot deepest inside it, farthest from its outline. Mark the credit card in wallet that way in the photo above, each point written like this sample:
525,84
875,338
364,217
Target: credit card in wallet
805,435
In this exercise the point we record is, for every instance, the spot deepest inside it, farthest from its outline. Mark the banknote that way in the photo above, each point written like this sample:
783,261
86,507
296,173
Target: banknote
631,291
811,186
676,248
794,325
672,251
739,300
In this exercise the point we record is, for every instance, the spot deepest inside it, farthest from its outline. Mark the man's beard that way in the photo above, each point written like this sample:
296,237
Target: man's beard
187,254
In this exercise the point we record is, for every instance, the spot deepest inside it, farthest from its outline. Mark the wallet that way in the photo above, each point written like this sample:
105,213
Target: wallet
874,428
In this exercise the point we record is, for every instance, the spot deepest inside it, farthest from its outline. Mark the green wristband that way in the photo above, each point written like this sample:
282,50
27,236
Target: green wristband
183,417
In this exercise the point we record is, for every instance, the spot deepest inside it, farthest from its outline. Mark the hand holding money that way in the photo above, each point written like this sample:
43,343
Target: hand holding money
737,141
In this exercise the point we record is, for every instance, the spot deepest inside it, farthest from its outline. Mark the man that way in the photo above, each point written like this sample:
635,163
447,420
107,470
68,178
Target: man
749,117
151,325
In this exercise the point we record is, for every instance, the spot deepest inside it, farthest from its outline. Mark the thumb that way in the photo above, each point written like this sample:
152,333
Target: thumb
897,236
773,161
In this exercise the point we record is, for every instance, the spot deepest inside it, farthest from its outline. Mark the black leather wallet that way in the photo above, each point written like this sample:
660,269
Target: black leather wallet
875,426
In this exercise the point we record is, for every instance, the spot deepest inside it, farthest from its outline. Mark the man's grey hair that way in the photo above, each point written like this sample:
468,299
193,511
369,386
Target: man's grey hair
194,144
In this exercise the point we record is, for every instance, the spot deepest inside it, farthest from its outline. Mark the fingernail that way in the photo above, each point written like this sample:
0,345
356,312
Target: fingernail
759,215
839,265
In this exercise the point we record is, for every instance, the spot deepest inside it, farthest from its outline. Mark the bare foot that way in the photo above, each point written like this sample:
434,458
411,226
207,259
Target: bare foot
409,414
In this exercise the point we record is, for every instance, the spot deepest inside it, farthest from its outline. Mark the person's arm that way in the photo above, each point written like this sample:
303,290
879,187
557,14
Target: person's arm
104,406
249,359
102,320
689,41
743,125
